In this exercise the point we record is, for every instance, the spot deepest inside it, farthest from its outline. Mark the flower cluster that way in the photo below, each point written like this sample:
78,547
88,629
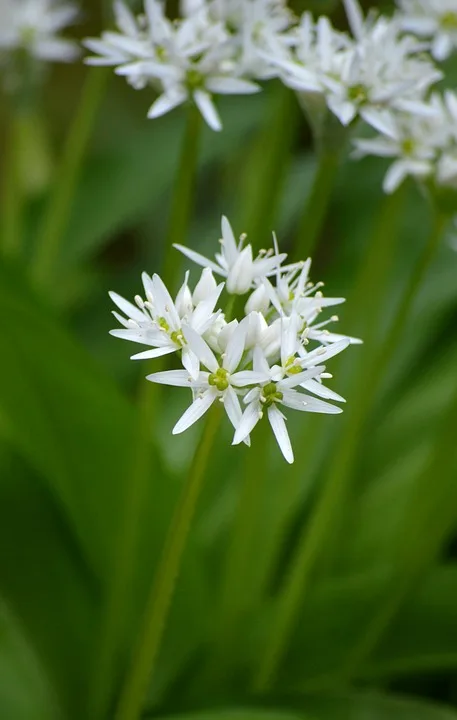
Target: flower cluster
435,20
34,26
214,48
422,147
376,68
269,359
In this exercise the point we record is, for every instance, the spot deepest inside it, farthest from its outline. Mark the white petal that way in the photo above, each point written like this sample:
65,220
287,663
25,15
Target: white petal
248,377
235,349
165,103
395,175
195,411
176,378
190,362
228,241
150,354
199,259
207,108
164,303
231,86
249,420
132,311
294,380
260,362
201,348
124,18
204,310
279,428
321,391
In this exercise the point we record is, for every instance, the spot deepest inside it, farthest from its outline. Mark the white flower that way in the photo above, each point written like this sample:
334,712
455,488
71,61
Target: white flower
35,26
433,19
358,76
260,360
236,262
159,322
221,382
422,147
274,392
189,59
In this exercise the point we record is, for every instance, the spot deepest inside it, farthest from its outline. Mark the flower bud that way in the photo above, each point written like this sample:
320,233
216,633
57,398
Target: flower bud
256,325
258,301
240,276
205,286
183,300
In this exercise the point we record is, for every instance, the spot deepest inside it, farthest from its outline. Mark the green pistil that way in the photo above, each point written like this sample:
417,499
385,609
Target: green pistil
219,379
358,94
408,146
178,338
449,21
291,367
271,395
162,323
194,79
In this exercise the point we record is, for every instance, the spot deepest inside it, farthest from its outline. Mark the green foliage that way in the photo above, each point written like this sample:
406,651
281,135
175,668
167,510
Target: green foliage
89,479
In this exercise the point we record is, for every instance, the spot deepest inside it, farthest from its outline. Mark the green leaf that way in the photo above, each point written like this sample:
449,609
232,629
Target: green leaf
46,585
25,693
240,714
423,637
371,706
65,417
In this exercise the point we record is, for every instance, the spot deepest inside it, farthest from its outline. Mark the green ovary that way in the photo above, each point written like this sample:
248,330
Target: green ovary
194,79
358,94
219,379
449,21
270,395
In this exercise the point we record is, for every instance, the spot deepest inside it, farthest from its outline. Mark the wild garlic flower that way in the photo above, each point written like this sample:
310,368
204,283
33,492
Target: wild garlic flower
377,68
270,358
188,59
435,20
34,26
422,147
237,263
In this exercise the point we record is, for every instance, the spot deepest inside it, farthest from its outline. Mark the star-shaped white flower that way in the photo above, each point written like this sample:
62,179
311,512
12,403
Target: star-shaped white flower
236,262
222,381
160,323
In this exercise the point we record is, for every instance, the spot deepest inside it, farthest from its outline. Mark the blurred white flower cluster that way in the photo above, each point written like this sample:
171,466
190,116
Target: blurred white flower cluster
270,359
34,26
422,147
214,48
434,20
377,68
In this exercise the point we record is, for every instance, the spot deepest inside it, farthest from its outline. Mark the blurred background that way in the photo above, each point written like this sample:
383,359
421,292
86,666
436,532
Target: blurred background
81,443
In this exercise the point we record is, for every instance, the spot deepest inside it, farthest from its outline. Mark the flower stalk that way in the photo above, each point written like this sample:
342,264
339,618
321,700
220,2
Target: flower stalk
158,605
57,214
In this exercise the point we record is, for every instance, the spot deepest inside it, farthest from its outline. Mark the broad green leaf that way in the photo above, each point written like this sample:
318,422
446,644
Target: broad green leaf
370,706
423,636
50,593
25,692
240,714
65,417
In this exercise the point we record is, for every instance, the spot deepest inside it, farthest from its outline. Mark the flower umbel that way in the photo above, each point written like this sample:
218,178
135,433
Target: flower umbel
271,357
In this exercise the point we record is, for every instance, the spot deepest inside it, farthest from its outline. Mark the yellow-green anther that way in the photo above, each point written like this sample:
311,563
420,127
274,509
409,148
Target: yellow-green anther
162,323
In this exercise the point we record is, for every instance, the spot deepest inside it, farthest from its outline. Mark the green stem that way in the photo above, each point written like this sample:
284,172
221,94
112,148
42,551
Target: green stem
12,188
118,592
57,214
238,591
413,286
181,204
158,606
317,203
315,534
267,166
